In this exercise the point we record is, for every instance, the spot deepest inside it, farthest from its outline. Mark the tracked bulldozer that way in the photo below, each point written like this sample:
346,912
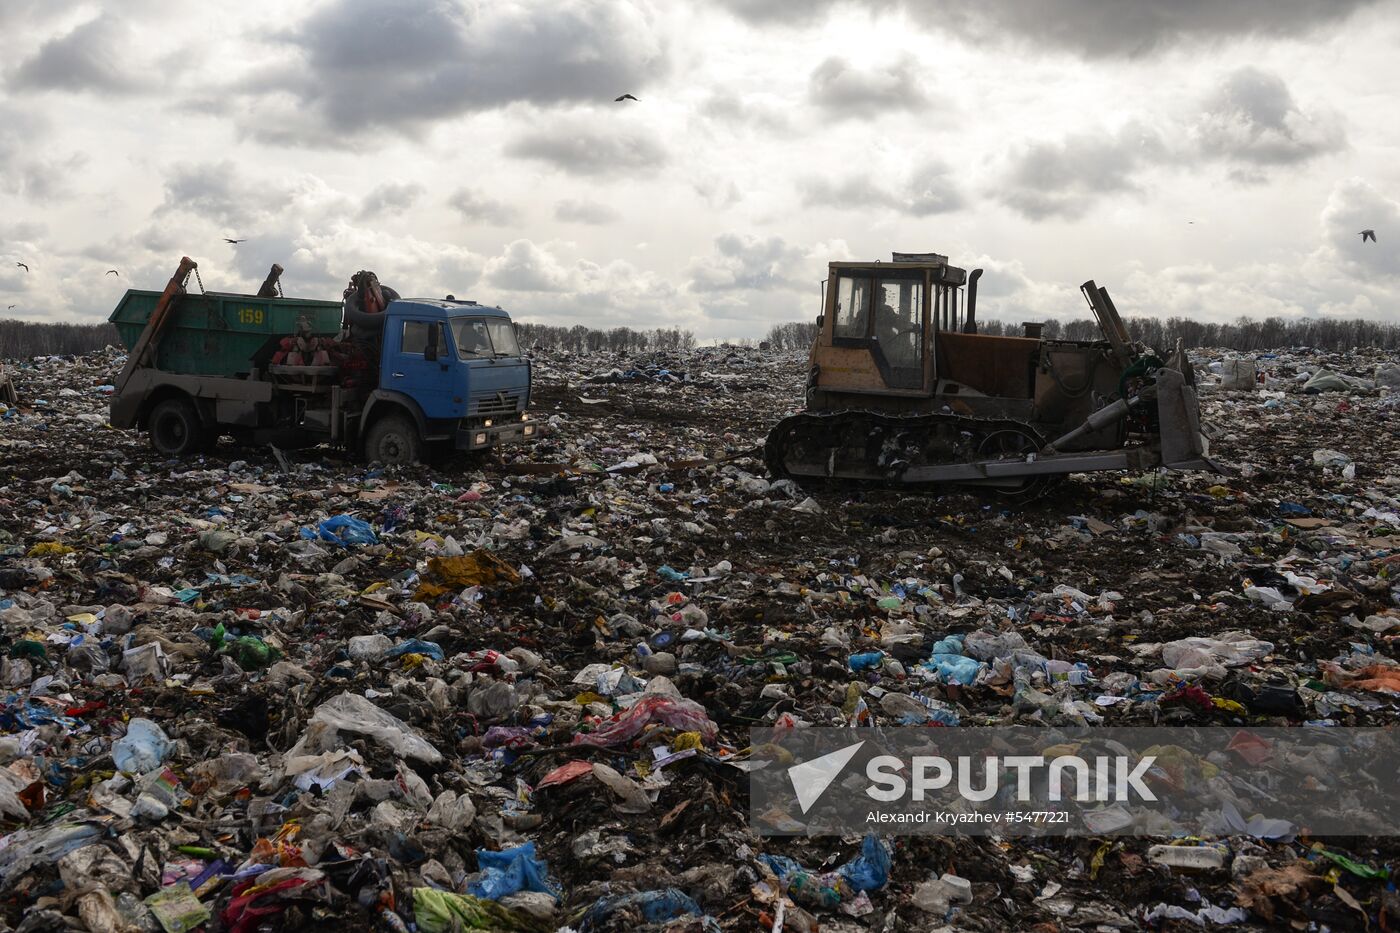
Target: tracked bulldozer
903,391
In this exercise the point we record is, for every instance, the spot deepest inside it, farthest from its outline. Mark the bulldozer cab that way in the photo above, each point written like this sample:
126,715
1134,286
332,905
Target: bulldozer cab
878,323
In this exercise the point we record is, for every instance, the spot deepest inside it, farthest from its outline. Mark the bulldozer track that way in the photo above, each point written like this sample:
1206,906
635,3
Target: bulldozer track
869,448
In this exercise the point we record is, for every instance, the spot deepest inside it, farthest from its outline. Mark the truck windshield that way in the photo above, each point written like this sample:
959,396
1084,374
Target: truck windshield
472,338
492,337
503,337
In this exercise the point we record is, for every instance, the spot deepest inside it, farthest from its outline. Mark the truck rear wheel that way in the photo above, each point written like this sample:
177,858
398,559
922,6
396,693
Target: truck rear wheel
176,428
393,440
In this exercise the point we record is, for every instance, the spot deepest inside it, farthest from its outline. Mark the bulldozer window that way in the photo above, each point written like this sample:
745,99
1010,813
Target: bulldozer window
852,319
899,316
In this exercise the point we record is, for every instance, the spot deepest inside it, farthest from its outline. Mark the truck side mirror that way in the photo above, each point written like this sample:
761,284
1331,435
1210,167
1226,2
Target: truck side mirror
821,321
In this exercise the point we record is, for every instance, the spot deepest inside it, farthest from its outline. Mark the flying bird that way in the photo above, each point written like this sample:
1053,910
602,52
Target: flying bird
9,307
26,268
235,242
1367,235
623,97
114,272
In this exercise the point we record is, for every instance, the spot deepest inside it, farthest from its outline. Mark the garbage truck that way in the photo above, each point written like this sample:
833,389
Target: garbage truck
388,377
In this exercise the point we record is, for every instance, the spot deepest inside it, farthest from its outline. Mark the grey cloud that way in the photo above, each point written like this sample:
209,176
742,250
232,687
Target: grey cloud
1252,118
580,150
1063,179
526,267
768,12
929,189
391,198
217,192
718,191
95,56
746,262
30,169
842,88
576,211
1249,124
385,63
1131,28
473,205
731,108
1353,206
1091,28
48,180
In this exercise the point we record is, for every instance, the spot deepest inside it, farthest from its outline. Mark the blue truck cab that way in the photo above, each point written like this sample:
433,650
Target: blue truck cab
457,369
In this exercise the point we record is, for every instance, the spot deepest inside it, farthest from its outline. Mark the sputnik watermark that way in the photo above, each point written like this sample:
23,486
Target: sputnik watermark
1269,783
1106,779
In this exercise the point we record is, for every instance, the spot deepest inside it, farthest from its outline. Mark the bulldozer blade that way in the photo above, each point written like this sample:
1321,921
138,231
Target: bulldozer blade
1184,447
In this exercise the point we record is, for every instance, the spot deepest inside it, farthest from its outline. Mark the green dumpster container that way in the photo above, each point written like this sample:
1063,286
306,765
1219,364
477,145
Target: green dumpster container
215,334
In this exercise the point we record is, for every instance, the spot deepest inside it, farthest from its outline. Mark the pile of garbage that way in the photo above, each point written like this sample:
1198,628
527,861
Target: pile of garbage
515,694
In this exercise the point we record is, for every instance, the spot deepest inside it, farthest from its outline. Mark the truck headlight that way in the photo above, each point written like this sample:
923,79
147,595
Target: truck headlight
529,429
488,422
481,438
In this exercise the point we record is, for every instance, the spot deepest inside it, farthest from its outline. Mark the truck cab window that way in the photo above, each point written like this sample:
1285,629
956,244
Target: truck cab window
415,337
472,338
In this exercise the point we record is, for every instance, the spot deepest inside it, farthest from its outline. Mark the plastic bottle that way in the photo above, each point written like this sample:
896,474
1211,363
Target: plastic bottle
1194,858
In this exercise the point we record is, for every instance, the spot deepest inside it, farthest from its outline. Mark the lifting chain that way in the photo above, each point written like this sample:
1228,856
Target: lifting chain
186,282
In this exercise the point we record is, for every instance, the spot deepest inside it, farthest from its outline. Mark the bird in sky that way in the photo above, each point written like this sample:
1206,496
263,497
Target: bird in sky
9,307
1367,235
114,272
26,268
623,97
235,242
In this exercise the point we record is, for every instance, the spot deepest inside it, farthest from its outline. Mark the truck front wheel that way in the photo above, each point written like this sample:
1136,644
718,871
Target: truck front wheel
176,428
393,440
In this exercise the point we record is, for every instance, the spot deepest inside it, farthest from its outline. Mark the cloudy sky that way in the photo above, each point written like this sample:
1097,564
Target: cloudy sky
1200,158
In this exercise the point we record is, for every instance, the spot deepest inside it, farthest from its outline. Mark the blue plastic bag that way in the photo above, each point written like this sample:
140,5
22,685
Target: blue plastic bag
869,871
954,668
343,531
511,871
416,646
656,907
866,660
948,660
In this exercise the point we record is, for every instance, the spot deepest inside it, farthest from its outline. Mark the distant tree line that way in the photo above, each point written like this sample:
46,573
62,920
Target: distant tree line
23,339
578,339
1245,334
794,335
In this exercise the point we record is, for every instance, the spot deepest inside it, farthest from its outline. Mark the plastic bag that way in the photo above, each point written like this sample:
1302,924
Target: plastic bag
681,715
415,646
655,906
954,668
142,749
1230,649
350,712
869,871
343,530
442,911
510,871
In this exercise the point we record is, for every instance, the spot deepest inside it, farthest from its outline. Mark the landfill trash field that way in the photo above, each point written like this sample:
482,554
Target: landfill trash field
516,694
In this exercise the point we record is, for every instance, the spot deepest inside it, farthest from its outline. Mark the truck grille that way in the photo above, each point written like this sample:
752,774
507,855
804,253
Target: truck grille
501,403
